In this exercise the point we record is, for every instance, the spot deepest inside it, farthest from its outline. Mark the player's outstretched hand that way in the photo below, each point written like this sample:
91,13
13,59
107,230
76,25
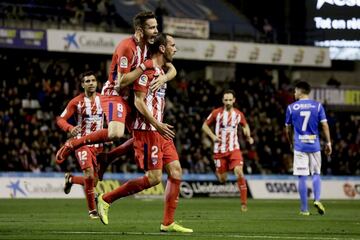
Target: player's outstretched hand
158,82
166,130
328,149
75,131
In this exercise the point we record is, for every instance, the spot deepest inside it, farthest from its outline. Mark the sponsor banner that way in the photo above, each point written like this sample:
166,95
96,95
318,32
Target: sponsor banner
186,27
204,50
22,38
288,189
226,51
83,42
190,189
34,187
349,97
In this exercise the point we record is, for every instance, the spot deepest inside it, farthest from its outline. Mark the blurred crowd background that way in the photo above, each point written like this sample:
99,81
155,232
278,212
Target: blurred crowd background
35,87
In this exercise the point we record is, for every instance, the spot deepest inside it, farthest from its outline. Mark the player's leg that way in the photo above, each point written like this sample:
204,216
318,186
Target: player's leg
315,170
301,169
174,171
221,169
241,182
236,164
86,159
105,159
70,180
143,154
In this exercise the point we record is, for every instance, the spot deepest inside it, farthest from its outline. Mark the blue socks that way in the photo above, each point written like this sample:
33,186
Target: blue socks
303,193
316,186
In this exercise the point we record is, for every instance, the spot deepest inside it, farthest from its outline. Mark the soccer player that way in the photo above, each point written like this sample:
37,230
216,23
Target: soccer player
153,144
227,154
303,118
87,110
128,63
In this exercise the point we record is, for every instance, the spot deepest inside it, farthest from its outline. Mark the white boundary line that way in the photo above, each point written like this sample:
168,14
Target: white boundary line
202,235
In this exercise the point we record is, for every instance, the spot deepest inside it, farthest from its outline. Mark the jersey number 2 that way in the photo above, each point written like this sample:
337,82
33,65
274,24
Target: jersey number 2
306,115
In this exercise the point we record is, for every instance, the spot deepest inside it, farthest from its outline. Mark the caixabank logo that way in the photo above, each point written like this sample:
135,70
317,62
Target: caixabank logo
88,41
70,41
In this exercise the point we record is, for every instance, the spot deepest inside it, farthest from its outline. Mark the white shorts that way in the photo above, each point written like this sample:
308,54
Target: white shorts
306,163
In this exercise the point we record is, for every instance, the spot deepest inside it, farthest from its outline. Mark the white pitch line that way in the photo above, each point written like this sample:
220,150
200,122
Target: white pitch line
204,235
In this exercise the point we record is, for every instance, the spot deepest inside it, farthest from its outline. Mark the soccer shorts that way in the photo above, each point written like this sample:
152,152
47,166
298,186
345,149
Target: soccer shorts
115,108
306,163
86,156
228,161
152,151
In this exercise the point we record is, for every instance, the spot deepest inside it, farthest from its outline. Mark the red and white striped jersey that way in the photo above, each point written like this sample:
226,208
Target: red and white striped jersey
155,101
127,56
226,128
88,114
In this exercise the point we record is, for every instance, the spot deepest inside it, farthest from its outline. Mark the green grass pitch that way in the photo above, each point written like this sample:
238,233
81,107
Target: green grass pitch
211,218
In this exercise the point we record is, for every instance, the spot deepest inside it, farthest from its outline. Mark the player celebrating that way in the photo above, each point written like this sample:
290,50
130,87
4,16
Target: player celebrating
153,144
227,154
88,112
304,116
128,63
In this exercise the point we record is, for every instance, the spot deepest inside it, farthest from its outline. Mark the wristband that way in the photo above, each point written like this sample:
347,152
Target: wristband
143,67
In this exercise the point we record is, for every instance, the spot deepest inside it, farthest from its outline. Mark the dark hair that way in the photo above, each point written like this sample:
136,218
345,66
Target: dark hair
229,91
303,86
86,74
140,19
160,39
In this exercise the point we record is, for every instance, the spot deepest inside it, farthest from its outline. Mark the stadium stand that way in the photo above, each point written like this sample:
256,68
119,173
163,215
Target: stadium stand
35,89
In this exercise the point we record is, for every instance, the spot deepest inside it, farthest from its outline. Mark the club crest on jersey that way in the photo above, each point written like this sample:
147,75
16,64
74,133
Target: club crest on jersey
143,80
123,62
154,161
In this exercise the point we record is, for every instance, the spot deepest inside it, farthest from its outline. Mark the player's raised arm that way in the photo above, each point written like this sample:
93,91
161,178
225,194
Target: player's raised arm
126,79
163,128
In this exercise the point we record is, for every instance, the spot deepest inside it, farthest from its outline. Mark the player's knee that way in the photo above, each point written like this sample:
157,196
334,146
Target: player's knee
89,173
115,135
154,179
176,172
222,179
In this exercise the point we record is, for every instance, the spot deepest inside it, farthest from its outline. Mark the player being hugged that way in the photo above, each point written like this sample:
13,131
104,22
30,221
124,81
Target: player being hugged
301,126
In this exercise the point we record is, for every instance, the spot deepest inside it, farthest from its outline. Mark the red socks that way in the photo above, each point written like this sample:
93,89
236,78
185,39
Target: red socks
89,193
171,199
120,150
130,187
99,136
242,189
77,180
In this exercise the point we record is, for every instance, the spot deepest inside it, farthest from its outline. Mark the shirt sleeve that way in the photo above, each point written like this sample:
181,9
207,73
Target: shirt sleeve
142,83
61,121
211,118
243,121
125,54
322,115
288,118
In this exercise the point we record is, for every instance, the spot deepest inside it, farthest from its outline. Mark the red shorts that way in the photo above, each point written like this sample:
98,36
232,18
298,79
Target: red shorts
152,151
86,156
228,161
115,108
